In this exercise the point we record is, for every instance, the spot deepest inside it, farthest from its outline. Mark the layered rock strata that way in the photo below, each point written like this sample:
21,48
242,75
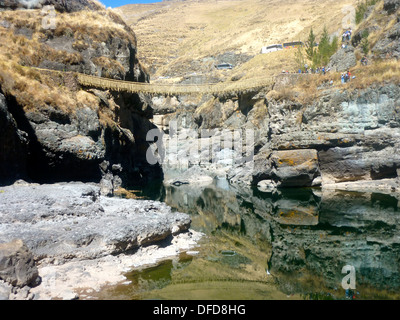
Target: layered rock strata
342,136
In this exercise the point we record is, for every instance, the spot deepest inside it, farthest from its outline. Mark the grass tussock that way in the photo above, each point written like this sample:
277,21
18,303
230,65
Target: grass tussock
378,72
32,90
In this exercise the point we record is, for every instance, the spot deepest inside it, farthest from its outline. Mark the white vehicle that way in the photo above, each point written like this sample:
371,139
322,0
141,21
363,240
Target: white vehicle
271,48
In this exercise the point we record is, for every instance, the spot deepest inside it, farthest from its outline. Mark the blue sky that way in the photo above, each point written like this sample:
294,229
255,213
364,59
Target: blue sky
118,3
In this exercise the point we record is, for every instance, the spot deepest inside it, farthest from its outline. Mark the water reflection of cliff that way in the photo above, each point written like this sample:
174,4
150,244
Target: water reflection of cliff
312,234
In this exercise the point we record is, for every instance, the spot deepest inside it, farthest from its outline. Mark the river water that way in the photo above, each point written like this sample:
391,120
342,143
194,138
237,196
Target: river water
291,244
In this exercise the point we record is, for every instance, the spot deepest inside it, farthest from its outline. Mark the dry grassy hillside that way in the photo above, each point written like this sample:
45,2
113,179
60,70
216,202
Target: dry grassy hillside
24,42
176,38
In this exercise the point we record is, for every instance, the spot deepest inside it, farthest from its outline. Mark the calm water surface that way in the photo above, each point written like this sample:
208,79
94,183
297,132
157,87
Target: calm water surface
288,245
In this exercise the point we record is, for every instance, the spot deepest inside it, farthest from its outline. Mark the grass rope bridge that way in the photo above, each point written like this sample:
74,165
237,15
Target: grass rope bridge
228,87
173,89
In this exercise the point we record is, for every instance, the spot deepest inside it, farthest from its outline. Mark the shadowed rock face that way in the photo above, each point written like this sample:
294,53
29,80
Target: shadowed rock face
51,145
13,146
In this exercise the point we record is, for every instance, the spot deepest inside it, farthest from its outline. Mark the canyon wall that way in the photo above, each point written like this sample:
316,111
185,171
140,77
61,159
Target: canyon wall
342,136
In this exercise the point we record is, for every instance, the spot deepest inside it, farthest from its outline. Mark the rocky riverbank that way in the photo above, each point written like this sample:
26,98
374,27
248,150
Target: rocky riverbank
72,237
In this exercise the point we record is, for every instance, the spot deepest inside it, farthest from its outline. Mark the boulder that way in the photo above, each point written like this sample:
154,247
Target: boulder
295,168
17,265
5,290
343,59
390,6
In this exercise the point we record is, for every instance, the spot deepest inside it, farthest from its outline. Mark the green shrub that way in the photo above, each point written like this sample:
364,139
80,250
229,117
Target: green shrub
365,45
362,8
326,48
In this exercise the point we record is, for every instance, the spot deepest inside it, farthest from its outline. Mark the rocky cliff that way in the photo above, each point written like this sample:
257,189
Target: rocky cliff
54,130
341,136
303,131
